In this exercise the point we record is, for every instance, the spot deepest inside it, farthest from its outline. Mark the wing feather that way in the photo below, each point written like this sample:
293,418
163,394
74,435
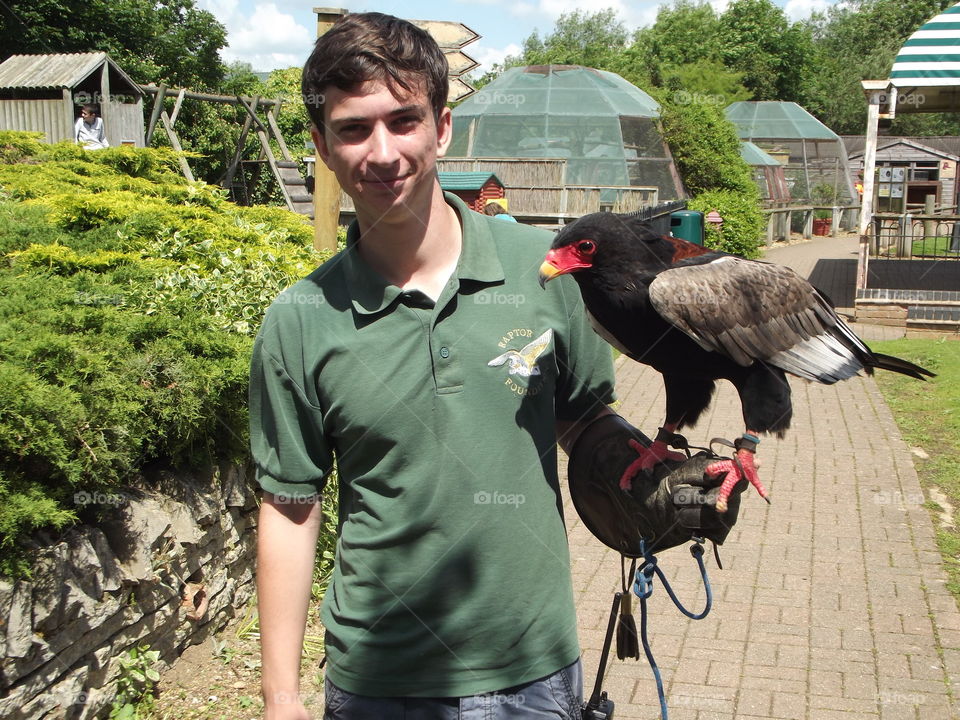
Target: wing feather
753,311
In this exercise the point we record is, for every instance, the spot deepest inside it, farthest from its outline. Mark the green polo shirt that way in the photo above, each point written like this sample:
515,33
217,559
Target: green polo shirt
452,575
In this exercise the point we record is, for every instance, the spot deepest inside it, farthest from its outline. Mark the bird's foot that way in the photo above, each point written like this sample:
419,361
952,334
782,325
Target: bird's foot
742,466
648,457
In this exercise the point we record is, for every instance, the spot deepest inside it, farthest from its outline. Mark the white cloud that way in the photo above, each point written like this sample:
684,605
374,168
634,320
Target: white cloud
802,9
267,37
489,56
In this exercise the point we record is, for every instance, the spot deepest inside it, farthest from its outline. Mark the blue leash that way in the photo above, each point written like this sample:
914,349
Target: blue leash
643,588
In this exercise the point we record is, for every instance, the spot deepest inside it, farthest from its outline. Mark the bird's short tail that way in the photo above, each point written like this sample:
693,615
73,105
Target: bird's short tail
895,364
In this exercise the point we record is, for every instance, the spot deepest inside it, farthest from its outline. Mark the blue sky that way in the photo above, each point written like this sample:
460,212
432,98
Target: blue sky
272,34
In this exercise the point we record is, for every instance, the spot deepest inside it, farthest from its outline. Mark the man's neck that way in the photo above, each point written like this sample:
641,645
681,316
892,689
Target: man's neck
418,253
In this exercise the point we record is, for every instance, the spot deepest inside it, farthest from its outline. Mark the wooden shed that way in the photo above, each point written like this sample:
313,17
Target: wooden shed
908,171
44,93
474,188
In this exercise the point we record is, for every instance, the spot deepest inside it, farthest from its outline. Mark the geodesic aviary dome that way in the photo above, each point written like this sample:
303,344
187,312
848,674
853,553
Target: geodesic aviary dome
601,124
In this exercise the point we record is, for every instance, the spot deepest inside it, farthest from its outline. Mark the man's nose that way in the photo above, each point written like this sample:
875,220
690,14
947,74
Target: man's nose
383,150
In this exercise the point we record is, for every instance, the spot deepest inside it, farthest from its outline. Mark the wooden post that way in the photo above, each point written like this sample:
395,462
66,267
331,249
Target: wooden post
175,143
326,189
177,105
875,90
929,209
70,114
155,114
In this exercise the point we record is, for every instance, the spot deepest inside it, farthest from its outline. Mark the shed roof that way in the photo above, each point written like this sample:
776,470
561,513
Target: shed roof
925,149
55,71
771,119
753,155
466,180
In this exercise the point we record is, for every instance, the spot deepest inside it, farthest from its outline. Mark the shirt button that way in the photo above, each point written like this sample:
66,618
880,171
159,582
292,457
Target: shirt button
444,352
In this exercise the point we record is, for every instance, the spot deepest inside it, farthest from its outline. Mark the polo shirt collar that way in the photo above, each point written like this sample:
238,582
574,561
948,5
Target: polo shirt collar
371,293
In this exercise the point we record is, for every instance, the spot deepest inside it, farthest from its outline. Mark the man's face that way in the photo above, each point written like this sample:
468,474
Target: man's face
383,148
88,116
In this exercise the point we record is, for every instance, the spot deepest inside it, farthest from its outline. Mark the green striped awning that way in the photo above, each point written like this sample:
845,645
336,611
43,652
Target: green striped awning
931,56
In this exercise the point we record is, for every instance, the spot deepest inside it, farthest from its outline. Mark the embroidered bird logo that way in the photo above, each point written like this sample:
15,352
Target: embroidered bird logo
524,362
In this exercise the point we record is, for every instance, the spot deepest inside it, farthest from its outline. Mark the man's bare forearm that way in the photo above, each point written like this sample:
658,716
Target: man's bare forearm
286,547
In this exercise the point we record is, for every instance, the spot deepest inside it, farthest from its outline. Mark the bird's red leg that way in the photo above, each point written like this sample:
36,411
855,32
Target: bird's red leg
743,467
650,456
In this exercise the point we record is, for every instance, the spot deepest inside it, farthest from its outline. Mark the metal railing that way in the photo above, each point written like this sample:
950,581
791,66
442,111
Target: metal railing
783,220
908,236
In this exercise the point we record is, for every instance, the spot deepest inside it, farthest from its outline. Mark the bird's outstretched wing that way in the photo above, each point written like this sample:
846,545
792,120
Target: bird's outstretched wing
752,311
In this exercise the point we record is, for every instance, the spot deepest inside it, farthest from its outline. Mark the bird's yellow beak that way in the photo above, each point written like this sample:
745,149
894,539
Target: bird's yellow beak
548,271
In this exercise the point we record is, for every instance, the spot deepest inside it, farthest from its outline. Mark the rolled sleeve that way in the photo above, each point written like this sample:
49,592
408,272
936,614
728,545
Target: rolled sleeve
291,453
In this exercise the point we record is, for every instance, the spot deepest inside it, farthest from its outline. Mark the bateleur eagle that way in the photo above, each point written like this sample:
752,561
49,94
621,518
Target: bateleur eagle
698,315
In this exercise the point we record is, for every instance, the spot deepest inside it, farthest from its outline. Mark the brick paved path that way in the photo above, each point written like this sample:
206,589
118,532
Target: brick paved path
841,614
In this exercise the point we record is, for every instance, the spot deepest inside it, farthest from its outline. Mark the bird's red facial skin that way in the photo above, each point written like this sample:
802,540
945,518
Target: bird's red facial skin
575,256
683,249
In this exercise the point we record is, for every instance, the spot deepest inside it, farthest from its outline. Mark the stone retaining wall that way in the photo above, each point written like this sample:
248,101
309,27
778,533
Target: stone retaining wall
165,568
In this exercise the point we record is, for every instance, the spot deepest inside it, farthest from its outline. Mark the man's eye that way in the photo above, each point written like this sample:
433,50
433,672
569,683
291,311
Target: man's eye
408,121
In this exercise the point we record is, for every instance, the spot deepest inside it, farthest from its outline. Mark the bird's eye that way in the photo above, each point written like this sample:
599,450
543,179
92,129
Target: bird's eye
587,247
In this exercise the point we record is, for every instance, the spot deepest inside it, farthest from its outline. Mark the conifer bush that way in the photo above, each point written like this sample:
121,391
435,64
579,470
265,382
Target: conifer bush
129,300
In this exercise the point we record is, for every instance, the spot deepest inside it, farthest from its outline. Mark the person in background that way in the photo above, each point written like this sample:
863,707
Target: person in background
495,209
88,130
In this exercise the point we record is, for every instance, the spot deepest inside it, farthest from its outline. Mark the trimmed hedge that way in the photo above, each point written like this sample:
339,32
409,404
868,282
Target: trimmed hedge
129,299
706,150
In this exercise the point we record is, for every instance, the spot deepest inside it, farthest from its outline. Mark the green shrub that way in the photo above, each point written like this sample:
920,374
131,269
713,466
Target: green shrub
706,150
743,223
129,299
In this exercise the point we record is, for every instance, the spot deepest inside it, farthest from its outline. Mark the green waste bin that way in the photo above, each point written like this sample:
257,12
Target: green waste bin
687,225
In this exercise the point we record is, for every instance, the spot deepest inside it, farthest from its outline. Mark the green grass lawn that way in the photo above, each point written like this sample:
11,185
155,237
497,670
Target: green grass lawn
928,414
938,246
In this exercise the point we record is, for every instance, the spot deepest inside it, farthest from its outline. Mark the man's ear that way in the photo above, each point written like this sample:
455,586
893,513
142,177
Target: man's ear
321,144
444,131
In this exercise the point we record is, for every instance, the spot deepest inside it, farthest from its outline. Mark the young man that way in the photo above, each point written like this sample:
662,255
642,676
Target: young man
88,130
427,361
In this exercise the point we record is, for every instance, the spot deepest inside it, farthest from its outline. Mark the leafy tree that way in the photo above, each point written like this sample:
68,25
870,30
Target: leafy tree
579,38
859,40
757,39
707,81
153,40
684,34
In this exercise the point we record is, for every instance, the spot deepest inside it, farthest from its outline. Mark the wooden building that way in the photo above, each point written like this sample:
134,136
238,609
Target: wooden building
908,171
44,93
474,188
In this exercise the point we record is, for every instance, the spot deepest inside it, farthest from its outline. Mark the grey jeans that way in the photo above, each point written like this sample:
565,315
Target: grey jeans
556,697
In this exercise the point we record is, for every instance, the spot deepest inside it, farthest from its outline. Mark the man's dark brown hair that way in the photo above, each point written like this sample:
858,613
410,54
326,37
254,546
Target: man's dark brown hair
372,46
